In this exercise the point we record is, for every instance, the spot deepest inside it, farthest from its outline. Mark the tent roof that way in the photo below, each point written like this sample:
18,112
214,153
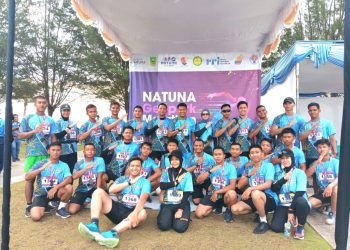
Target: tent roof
191,26
315,73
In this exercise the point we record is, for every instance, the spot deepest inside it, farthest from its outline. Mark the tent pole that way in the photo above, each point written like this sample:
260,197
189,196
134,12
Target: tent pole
8,127
297,87
343,204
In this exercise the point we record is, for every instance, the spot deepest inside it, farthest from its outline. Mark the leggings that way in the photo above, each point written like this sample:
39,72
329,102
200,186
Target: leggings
166,218
280,216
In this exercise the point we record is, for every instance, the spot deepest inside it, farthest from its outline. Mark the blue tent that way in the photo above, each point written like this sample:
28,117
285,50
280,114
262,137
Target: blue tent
310,54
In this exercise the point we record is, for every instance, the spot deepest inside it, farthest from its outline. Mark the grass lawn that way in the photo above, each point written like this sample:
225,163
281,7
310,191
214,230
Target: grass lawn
212,233
22,152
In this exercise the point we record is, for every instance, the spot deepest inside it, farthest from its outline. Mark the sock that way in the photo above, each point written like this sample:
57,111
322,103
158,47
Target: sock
96,220
263,219
62,205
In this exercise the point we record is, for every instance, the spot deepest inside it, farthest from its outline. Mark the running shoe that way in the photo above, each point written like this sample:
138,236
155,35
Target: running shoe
62,213
228,216
89,230
261,228
27,211
330,218
299,233
109,239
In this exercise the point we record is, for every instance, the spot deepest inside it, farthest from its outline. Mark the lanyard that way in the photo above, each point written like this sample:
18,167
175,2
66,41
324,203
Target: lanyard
288,182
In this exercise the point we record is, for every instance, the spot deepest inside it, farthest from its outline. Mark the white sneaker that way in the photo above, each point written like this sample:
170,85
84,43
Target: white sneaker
330,218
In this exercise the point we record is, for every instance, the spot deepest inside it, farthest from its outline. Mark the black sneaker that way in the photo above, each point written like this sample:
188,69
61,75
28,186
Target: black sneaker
228,216
218,210
261,228
149,199
48,209
27,211
62,213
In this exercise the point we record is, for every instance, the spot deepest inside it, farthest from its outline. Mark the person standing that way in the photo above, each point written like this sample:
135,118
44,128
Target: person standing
138,125
204,131
16,143
67,135
261,129
287,120
39,131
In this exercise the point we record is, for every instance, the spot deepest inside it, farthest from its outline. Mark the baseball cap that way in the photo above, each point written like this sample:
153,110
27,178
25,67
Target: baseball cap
288,99
64,106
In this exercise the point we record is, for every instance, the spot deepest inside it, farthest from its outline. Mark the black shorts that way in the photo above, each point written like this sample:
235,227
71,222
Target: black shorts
43,200
70,159
270,204
324,200
206,201
79,197
198,189
118,212
111,176
308,162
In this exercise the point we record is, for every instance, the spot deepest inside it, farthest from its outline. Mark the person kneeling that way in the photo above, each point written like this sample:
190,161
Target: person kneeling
176,186
128,213
326,169
89,171
258,196
223,182
291,189
53,183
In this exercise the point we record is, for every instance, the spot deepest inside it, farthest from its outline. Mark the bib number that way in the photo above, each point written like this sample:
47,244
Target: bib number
87,179
122,156
185,132
219,182
287,198
243,131
130,199
162,131
139,139
144,173
47,182
173,196
97,132
46,129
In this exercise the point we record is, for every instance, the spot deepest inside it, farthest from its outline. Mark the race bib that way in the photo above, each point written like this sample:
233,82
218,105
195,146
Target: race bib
257,181
47,182
322,176
73,134
267,129
219,182
46,129
198,169
122,156
144,173
130,199
329,176
139,139
315,136
243,131
173,196
162,131
287,198
88,179
97,132
185,132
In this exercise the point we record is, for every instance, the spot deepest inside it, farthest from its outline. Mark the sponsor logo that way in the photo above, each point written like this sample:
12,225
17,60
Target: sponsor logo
197,60
169,61
183,60
254,59
217,61
238,59
138,61
153,60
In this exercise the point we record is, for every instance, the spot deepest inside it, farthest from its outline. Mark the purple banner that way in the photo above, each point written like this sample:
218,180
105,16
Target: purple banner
199,90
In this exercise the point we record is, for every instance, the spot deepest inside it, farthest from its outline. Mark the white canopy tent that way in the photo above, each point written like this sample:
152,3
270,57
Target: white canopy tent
307,80
191,26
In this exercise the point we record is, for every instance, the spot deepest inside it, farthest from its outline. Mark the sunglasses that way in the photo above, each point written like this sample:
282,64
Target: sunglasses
205,114
226,110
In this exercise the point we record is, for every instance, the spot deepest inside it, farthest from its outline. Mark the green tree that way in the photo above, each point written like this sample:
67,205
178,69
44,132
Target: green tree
108,73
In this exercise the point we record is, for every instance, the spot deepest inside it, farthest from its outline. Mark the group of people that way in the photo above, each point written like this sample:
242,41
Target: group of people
235,165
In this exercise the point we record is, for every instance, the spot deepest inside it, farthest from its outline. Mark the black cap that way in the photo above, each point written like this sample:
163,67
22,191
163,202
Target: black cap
177,154
288,99
288,153
64,106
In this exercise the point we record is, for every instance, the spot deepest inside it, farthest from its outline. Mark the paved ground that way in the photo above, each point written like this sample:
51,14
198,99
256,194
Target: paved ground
315,219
